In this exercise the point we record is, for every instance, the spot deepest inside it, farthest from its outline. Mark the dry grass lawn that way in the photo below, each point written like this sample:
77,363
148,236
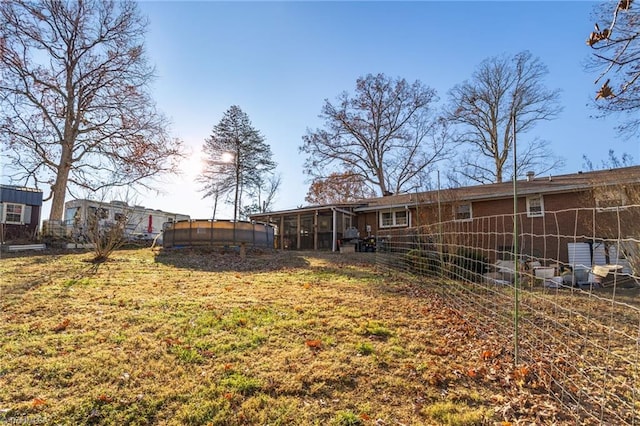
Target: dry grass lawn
200,338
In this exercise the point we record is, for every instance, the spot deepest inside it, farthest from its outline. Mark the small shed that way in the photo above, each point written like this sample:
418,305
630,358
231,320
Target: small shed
20,209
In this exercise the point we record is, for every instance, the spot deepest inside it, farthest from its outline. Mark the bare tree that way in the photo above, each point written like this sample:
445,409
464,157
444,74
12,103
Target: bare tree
338,188
217,176
613,162
381,134
263,195
76,112
503,90
616,57
215,191
267,192
237,159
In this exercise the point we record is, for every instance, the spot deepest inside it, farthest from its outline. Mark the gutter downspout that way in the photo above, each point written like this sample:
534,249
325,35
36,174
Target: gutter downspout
315,231
334,231
298,231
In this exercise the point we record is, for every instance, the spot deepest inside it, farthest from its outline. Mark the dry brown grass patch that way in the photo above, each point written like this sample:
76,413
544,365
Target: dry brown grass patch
188,337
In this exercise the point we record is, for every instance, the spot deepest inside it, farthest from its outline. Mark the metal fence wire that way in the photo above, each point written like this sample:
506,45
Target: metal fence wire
567,303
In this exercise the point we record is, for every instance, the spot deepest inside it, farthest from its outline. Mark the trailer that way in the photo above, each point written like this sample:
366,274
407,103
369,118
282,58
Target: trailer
139,223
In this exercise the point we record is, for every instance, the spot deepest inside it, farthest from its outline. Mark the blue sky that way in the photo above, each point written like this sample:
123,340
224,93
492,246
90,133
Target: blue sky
278,61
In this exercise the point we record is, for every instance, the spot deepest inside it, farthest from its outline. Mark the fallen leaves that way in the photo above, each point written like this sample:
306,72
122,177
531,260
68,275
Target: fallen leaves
170,341
439,351
473,373
521,373
38,402
61,326
314,345
104,399
486,355
436,379
364,416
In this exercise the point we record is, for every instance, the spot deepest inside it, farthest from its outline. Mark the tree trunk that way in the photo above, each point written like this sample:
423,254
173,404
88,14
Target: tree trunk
235,201
215,205
382,184
59,188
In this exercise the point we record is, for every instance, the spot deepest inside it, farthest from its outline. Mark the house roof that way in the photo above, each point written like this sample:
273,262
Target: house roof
535,185
20,195
340,207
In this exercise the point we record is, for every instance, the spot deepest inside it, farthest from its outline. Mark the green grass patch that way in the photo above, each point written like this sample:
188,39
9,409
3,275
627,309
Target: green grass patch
347,418
187,355
240,383
457,414
364,348
376,329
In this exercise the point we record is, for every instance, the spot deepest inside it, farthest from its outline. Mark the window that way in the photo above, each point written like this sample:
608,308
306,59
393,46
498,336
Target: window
72,215
610,198
98,212
390,219
535,206
13,213
463,211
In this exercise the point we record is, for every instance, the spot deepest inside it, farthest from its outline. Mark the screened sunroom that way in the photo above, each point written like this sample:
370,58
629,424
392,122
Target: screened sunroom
309,228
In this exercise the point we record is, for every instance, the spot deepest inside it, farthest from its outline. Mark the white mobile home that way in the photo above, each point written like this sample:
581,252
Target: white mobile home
139,222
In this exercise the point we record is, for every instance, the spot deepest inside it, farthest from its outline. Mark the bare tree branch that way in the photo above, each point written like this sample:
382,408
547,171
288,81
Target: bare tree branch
616,57
74,100
380,134
483,109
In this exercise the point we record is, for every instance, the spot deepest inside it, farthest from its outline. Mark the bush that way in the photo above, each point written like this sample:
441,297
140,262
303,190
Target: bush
424,262
469,264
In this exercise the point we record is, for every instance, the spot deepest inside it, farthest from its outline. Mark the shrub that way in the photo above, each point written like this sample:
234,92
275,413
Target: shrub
424,262
469,264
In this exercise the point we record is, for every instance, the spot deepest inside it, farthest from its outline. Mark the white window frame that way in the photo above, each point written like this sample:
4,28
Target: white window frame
5,213
395,223
535,213
456,212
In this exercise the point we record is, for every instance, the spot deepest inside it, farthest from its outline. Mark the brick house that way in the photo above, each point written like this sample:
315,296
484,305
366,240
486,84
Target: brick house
552,210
